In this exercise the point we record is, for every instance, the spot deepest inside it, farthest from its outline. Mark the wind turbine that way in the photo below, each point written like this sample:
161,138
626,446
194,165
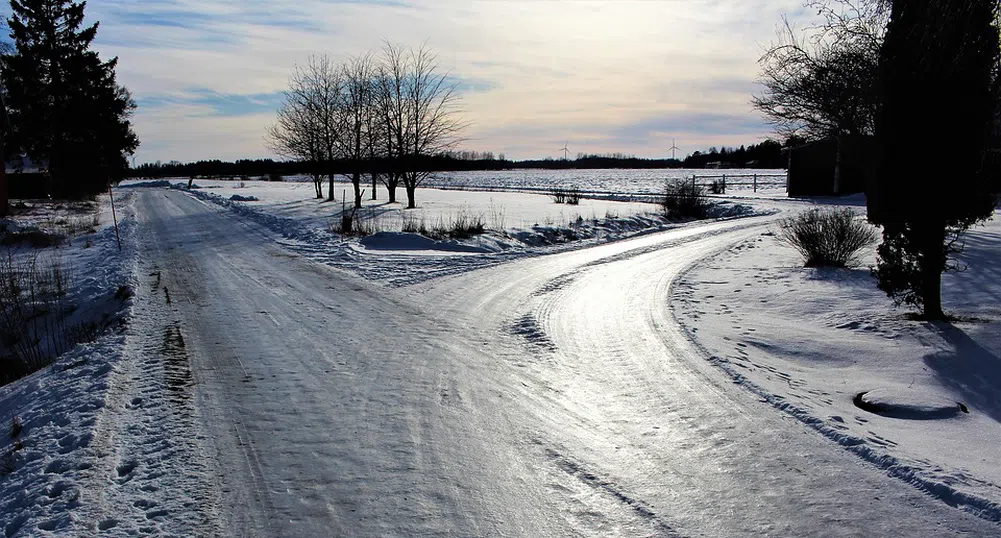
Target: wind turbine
674,147
566,151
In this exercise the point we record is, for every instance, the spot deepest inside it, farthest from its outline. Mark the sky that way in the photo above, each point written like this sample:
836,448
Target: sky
625,76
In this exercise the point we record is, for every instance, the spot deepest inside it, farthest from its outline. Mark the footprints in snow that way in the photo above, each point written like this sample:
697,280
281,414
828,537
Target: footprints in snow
157,413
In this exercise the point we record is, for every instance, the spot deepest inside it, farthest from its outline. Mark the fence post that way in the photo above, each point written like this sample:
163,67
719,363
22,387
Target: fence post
114,215
693,183
755,182
724,183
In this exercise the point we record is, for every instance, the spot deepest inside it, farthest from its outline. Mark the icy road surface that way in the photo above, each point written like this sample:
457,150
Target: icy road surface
552,396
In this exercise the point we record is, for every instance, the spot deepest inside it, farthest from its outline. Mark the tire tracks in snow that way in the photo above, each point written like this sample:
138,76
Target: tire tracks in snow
642,430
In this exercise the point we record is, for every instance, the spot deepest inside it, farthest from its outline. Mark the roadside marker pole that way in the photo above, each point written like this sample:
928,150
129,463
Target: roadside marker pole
114,215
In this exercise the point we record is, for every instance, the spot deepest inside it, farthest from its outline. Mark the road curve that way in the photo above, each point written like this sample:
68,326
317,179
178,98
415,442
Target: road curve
552,396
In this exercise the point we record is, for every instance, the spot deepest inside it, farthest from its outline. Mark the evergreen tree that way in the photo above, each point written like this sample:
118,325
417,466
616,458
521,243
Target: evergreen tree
65,105
938,62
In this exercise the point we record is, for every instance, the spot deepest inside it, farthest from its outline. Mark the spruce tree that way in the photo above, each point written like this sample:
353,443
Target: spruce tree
938,65
65,105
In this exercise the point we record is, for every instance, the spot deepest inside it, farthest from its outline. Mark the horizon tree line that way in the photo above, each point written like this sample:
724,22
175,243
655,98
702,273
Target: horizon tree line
766,154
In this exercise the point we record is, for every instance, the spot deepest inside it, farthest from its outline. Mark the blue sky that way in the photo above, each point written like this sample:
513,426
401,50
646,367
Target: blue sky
605,76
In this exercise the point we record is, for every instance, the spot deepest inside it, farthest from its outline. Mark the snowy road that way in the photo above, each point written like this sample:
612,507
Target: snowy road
553,396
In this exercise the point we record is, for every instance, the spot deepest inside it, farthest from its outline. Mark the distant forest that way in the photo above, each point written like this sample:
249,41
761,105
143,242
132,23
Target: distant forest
767,154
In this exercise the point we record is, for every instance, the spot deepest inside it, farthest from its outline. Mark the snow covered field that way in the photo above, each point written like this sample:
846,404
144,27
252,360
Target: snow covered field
812,341
516,225
619,181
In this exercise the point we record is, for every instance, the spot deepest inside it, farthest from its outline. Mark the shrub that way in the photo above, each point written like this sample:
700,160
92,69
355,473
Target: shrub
35,238
828,237
463,226
570,196
574,196
558,195
274,176
356,222
718,186
685,199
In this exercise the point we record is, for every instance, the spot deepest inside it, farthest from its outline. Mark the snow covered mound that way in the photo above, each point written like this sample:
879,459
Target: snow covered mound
238,198
910,404
413,242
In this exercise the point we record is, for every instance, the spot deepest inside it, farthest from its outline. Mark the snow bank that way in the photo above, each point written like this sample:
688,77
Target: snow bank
47,472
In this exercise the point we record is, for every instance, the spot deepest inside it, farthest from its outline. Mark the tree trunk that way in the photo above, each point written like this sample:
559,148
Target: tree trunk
934,260
318,185
330,188
411,196
391,188
375,185
356,182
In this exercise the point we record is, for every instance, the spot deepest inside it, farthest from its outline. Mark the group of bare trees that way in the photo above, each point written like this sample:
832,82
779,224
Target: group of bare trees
382,115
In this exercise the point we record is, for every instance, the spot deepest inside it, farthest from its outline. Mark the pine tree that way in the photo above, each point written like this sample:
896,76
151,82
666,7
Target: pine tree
938,65
65,105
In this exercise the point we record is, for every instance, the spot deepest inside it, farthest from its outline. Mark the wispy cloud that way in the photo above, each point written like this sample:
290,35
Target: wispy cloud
214,103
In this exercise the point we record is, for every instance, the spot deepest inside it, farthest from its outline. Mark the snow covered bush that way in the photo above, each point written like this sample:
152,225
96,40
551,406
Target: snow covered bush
686,200
828,237
571,196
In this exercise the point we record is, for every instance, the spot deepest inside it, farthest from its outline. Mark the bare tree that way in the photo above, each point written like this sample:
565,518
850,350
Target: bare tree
374,133
420,109
825,82
310,127
356,107
294,133
391,107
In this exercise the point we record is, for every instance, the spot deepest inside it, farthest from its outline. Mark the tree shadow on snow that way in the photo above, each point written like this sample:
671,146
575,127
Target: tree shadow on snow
970,369
980,259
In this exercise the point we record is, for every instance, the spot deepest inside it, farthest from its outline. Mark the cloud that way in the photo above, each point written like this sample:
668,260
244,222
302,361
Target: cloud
213,103
609,76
